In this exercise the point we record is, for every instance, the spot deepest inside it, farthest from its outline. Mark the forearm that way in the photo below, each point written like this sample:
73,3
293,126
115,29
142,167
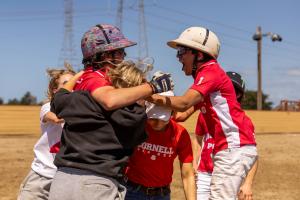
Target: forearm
52,118
178,103
112,99
188,180
71,83
197,142
245,191
182,116
175,103
251,174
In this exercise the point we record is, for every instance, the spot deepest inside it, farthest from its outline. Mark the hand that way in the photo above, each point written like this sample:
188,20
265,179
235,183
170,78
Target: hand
52,118
245,192
161,82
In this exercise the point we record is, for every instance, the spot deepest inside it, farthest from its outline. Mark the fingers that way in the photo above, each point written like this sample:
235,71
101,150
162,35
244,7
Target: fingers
59,121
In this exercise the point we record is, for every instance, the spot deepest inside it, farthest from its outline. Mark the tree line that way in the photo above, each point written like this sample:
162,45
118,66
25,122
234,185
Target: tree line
249,101
26,99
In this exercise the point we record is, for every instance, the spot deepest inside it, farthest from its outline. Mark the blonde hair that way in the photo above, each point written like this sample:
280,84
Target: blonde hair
125,75
54,75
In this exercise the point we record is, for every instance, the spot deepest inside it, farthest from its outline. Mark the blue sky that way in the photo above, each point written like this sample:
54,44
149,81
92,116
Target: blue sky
32,35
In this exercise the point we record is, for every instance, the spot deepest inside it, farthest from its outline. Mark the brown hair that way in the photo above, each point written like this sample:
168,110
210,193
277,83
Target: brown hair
125,75
54,75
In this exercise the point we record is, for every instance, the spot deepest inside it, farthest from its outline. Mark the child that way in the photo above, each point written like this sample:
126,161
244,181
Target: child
212,92
150,168
205,164
37,183
96,143
103,46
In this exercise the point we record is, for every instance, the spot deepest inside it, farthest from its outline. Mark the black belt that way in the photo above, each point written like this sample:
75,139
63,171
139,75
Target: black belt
151,191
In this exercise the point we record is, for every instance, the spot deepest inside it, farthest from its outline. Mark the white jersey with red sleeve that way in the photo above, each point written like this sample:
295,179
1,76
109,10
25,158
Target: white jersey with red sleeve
151,164
223,115
92,79
205,163
43,157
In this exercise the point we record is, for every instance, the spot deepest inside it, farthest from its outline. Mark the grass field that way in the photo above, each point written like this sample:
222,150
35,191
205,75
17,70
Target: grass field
278,138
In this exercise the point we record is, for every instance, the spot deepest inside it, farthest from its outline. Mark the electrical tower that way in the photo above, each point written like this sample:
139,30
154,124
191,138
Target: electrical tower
67,53
119,21
143,42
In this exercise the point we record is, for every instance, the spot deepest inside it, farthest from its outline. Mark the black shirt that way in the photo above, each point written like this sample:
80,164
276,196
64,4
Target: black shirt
94,139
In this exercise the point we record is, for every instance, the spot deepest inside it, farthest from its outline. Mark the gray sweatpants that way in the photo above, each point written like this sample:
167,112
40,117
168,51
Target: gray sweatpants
34,187
75,184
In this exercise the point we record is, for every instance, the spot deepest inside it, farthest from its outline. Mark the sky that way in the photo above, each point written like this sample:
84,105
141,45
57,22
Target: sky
33,35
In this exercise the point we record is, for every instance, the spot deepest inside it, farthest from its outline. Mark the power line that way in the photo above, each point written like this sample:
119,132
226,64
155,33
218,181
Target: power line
217,23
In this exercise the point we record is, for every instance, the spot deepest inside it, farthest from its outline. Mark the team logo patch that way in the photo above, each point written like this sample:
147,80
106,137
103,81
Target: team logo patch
200,80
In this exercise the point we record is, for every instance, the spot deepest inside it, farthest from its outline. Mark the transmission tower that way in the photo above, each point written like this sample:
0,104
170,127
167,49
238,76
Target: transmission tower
119,21
67,53
143,42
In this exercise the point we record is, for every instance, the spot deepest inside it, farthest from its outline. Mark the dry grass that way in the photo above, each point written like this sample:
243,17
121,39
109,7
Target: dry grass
277,178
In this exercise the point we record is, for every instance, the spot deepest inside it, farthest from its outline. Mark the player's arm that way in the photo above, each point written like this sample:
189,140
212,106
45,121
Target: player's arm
245,192
111,98
71,83
178,103
182,116
197,150
52,118
188,180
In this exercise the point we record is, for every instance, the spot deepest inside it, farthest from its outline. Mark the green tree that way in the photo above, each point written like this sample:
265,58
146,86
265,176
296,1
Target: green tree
249,101
28,99
1,101
13,101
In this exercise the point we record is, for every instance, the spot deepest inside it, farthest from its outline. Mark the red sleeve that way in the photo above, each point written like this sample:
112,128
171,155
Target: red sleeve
184,148
92,80
201,128
206,81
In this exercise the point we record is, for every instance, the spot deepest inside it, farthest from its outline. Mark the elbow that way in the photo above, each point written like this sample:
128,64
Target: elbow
109,104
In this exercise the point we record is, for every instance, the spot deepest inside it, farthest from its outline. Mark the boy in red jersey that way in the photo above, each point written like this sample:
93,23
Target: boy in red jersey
150,168
213,92
205,163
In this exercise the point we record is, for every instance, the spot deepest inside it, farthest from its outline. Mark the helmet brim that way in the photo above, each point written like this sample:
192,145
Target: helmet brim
119,45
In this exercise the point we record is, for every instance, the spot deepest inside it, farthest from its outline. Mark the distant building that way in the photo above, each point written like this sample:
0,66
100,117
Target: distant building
288,105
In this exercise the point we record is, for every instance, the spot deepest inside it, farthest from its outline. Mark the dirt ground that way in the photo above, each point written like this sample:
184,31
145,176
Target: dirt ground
278,176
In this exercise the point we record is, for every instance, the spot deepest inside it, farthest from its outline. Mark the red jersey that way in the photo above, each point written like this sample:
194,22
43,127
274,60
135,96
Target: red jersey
151,164
223,115
206,162
91,80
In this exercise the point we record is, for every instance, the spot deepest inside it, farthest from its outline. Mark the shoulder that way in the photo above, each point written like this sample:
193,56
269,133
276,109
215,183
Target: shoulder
46,105
178,129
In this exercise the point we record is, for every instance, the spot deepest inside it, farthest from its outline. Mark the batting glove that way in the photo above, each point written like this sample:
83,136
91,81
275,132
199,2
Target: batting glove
161,82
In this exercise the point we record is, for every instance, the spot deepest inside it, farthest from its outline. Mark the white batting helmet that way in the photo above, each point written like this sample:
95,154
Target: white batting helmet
198,38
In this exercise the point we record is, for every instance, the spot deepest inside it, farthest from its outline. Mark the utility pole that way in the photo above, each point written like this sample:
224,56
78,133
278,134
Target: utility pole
259,89
258,37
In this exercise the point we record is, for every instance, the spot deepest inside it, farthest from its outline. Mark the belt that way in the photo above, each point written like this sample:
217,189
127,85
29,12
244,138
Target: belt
151,191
